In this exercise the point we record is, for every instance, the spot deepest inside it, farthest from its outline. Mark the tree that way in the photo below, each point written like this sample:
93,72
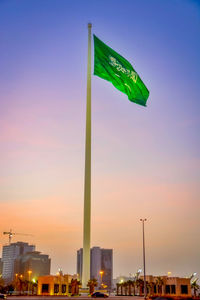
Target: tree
150,288
9,288
134,285
159,284
140,285
91,284
125,285
194,287
2,288
130,284
34,287
118,286
75,287
121,288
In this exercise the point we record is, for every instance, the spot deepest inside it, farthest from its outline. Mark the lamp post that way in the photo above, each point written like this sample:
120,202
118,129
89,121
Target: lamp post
29,279
145,285
16,281
101,273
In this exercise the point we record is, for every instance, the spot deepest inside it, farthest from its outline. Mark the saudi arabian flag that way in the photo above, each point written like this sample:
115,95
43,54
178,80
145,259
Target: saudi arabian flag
111,66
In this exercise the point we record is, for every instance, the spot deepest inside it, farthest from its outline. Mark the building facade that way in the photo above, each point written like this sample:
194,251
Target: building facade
157,286
1,267
9,254
100,260
166,286
107,267
95,263
79,263
32,265
59,285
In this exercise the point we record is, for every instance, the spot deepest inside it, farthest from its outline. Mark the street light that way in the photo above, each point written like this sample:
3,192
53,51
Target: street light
145,285
29,279
101,273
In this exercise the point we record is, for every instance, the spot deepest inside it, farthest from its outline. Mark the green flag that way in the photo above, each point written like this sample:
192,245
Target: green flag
111,66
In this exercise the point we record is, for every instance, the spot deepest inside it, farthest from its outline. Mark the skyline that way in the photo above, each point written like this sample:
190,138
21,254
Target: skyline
145,161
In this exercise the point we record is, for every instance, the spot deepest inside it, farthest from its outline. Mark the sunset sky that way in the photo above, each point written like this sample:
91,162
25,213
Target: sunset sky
145,160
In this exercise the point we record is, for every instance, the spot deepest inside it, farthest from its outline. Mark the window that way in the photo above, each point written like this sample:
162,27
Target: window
155,289
63,288
56,288
173,289
184,289
167,289
45,288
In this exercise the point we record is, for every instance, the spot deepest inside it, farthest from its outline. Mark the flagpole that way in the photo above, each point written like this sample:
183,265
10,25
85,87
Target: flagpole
144,263
87,185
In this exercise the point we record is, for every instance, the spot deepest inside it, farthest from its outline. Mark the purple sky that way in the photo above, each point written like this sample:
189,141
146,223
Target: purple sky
145,161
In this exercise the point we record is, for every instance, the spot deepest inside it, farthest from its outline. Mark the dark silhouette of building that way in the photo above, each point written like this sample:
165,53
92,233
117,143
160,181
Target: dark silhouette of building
107,266
79,263
1,267
100,260
9,254
32,265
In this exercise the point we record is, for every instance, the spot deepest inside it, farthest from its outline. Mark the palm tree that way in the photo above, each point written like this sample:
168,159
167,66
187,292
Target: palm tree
75,287
91,284
159,283
150,288
78,286
134,286
9,288
118,286
194,287
121,285
140,285
130,284
125,285
34,287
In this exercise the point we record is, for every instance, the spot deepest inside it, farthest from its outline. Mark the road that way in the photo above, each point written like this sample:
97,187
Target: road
70,298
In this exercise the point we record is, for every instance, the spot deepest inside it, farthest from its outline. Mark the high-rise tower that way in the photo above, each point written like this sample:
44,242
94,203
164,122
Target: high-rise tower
9,254
100,260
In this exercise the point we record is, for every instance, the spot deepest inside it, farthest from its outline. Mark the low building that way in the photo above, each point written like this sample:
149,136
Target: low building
168,286
59,285
156,286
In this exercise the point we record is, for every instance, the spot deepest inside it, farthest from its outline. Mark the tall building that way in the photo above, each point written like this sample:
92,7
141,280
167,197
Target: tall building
32,265
9,254
79,263
95,263
1,267
100,260
107,266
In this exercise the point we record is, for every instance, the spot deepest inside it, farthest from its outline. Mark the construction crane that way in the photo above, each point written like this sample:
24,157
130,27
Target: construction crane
10,234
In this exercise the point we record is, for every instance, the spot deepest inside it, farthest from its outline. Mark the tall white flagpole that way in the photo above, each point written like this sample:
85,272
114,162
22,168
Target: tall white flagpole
144,263
87,186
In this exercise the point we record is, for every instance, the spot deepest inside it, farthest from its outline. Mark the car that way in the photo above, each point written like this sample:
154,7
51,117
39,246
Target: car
99,295
2,296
